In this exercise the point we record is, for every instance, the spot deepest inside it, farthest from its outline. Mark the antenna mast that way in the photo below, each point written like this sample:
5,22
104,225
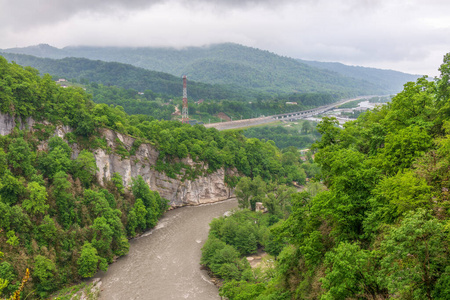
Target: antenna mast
184,113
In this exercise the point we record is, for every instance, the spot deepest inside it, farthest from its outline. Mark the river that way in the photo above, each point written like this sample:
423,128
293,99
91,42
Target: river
164,263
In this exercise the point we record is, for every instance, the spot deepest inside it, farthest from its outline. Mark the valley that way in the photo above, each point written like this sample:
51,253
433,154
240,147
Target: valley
224,150
85,184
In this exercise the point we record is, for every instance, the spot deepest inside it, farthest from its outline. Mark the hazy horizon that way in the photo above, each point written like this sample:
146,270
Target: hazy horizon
406,36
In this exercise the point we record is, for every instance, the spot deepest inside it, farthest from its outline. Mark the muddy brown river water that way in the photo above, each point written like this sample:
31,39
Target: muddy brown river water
164,263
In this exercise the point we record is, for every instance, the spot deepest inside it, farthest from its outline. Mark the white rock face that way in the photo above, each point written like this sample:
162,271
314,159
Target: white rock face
210,188
206,189
7,124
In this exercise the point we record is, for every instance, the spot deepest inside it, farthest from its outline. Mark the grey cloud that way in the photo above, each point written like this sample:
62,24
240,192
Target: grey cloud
18,15
27,13
395,33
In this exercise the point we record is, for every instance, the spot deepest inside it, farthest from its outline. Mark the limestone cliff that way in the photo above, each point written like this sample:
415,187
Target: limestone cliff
205,189
210,188
8,122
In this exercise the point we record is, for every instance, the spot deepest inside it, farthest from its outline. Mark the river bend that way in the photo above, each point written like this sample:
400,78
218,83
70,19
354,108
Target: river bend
164,262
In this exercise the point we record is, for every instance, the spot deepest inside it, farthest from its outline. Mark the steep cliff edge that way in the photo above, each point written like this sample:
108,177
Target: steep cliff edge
204,189
8,123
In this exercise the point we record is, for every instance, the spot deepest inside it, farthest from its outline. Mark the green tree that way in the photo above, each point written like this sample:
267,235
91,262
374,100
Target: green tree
405,190
249,191
306,127
47,231
227,255
245,240
11,188
89,261
351,273
403,147
56,160
243,192
142,191
37,204
209,249
443,86
64,199
21,157
118,182
241,290
103,236
140,213
44,272
279,200
329,129
7,276
132,223
414,256
85,167
13,240
414,106
350,178
3,162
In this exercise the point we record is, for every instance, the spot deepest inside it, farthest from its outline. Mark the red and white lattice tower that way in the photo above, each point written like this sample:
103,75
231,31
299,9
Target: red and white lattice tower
184,112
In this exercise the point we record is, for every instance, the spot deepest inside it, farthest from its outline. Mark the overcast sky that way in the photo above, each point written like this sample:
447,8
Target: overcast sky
405,35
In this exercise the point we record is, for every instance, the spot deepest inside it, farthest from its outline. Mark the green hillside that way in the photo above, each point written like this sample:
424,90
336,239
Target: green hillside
127,76
388,78
141,91
374,223
225,64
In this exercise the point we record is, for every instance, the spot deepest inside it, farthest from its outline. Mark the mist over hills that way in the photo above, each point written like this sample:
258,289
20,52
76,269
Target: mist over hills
387,78
239,66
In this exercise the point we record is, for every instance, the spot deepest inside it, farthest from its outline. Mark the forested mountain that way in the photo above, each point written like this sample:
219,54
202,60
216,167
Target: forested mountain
387,78
127,76
373,224
227,64
141,91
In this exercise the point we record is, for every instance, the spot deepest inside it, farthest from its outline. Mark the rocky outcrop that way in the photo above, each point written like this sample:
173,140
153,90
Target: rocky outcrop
8,122
204,189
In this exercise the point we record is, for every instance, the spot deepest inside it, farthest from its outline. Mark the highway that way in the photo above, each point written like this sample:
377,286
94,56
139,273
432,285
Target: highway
285,117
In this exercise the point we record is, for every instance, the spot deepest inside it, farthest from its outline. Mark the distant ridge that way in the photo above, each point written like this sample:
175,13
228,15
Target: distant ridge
237,65
126,76
389,78
41,50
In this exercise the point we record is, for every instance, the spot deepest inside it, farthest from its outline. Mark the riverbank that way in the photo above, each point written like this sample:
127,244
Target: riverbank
164,263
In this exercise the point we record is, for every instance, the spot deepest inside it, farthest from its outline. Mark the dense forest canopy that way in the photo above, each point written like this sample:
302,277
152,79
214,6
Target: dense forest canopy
296,135
56,219
128,77
377,229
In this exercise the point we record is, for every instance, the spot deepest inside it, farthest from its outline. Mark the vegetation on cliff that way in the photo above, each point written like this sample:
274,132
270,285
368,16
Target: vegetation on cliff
380,230
55,218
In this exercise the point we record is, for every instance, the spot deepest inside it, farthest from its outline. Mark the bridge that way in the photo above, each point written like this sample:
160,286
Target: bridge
281,117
